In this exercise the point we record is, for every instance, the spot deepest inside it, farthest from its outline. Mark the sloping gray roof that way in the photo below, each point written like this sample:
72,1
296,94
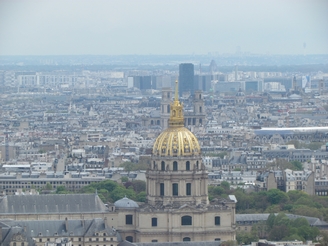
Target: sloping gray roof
240,218
212,243
215,243
56,203
251,217
16,230
98,225
36,228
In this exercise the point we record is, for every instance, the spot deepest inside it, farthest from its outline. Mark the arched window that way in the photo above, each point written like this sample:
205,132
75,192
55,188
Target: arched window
200,121
186,220
154,165
200,109
197,166
168,108
175,166
129,239
186,239
175,189
163,166
187,165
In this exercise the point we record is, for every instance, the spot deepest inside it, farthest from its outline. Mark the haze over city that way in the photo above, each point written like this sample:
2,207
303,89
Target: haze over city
162,27
138,123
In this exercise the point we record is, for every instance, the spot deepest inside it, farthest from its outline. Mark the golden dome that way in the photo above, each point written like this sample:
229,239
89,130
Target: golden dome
176,140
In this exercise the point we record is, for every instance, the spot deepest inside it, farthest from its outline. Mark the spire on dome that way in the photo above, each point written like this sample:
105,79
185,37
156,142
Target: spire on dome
176,98
176,110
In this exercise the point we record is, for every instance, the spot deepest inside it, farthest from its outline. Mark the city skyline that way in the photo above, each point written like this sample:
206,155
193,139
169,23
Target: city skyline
162,27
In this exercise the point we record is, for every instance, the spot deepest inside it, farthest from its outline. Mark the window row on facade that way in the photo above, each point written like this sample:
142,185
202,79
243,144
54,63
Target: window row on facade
175,189
185,220
175,166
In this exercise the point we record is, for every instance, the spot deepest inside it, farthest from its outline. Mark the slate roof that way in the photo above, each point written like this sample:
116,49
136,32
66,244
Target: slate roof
253,218
8,234
52,203
215,243
40,228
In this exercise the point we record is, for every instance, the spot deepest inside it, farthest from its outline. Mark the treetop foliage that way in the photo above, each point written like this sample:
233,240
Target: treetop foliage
110,191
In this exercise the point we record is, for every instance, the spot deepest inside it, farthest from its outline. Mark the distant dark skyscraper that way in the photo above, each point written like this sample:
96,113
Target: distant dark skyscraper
186,78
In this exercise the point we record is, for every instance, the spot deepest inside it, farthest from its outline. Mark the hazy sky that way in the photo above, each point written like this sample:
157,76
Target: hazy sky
113,27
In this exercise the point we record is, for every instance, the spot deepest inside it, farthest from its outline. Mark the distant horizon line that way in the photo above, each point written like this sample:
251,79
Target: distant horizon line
209,54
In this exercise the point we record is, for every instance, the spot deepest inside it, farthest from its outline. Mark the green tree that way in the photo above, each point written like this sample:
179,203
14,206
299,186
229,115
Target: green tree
273,209
299,222
128,166
106,184
88,189
307,201
278,232
142,166
282,164
294,195
324,238
139,185
48,186
229,243
102,197
225,185
276,196
270,221
314,145
246,237
297,165
216,190
307,232
142,196
307,211
260,228
222,154
293,237
244,200
62,190
281,219
120,191
124,179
